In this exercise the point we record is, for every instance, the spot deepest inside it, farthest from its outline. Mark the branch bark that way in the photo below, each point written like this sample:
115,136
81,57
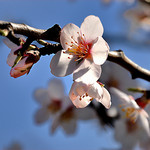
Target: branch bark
136,71
53,34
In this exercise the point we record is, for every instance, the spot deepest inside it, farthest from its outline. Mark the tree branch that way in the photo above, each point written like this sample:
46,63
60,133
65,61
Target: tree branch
136,71
8,29
51,34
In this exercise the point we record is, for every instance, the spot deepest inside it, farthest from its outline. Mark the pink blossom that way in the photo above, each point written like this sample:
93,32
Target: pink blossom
26,61
25,64
14,48
82,94
133,122
84,50
58,107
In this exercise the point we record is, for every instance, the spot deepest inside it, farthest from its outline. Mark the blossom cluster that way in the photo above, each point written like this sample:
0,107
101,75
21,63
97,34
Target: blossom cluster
132,128
84,51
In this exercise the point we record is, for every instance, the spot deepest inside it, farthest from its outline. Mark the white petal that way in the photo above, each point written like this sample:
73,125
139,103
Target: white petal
91,28
11,58
78,88
81,103
69,33
127,140
95,90
106,99
87,72
42,97
42,115
55,123
100,51
120,98
66,103
11,45
72,95
69,126
143,127
62,64
56,89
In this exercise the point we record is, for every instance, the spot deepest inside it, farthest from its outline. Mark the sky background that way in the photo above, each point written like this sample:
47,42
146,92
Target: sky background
17,105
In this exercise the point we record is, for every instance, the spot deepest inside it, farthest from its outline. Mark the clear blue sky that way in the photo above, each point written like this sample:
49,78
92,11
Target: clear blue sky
17,105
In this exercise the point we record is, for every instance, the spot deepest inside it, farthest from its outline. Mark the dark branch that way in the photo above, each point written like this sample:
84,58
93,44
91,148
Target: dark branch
53,34
50,49
136,71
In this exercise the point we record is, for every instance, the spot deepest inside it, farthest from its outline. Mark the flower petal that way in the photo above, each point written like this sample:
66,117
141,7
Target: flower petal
17,73
42,97
100,51
106,99
62,64
81,103
11,45
11,58
122,99
87,72
69,33
95,90
42,115
78,88
21,65
55,123
91,28
56,89
69,126
144,126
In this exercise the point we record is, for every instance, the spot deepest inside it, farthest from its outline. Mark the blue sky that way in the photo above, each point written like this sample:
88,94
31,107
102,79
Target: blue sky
17,105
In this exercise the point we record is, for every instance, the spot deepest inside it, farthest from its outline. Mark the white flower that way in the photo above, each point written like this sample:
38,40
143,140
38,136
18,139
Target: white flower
82,94
51,100
115,76
58,107
84,51
68,118
133,126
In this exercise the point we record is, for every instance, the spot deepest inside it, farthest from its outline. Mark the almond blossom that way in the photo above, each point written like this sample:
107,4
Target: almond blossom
58,107
84,50
82,94
24,63
113,79
51,100
67,118
133,126
14,50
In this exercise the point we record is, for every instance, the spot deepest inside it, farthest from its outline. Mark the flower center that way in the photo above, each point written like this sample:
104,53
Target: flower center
130,113
54,106
80,49
85,97
131,127
68,114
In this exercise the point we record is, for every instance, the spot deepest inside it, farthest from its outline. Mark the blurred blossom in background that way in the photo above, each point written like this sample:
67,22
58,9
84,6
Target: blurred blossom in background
30,110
